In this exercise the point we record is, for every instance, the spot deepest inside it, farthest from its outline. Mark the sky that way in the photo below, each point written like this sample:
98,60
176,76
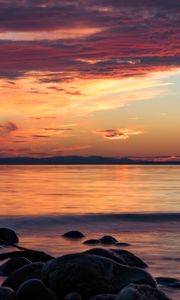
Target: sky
90,77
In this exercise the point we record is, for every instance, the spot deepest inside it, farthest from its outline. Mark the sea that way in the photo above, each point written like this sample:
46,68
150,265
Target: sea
136,204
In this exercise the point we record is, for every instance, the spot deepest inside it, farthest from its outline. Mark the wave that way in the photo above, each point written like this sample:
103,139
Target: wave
50,222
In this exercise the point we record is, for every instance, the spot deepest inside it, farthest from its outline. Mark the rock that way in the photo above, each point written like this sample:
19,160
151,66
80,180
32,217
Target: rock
121,256
141,292
32,255
104,297
6,294
90,275
12,265
122,244
8,236
31,271
34,289
91,242
108,240
73,296
73,234
169,282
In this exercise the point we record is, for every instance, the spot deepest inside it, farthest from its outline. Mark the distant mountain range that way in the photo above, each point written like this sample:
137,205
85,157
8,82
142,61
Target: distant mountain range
82,160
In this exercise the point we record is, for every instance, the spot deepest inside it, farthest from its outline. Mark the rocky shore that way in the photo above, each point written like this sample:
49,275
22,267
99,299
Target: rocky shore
95,274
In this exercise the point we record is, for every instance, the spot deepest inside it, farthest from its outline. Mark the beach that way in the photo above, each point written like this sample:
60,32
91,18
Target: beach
138,205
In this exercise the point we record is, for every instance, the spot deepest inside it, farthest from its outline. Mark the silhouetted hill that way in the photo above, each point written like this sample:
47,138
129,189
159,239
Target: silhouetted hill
80,160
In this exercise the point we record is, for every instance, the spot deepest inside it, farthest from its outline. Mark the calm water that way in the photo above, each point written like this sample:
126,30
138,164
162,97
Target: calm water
137,204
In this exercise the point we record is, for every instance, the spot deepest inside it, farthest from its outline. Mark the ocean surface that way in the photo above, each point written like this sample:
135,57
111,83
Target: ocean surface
139,205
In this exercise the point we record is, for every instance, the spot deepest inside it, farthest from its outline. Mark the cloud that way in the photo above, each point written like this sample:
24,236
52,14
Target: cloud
7,128
117,134
57,129
98,39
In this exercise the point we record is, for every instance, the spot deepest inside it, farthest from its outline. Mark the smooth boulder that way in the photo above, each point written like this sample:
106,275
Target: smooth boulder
31,271
6,294
141,292
169,282
108,240
74,234
91,242
121,256
32,255
104,297
12,265
90,275
8,236
73,296
34,289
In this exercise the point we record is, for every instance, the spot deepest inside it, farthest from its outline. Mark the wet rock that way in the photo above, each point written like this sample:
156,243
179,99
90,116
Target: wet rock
121,256
169,282
108,240
8,236
73,234
12,265
73,296
90,275
34,289
6,294
104,297
31,271
32,255
140,292
92,242
122,244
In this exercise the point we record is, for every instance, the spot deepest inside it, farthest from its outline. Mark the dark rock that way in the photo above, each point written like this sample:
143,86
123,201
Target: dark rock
92,242
12,265
90,275
32,255
169,282
122,244
8,236
31,271
6,294
108,240
73,296
104,297
73,234
121,256
34,289
140,292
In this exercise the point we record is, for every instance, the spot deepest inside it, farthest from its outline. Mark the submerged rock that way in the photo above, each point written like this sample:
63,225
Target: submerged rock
169,282
12,265
34,289
92,242
108,240
121,244
141,292
31,271
8,236
73,234
121,256
90,275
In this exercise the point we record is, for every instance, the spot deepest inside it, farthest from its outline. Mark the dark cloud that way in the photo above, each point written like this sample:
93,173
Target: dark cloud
7,128
133,37
117,134
40,136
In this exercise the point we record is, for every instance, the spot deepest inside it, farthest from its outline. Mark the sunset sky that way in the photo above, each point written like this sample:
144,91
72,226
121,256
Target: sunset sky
90,77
